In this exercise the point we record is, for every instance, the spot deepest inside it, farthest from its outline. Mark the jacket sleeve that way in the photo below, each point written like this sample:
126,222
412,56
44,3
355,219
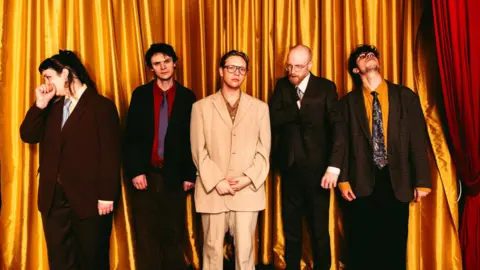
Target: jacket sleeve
110,150
418,144
33,126
260,167
210,174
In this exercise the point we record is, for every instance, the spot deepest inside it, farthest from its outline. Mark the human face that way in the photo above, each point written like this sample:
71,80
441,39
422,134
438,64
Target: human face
163,66
234,72
298,66
56,79
367,62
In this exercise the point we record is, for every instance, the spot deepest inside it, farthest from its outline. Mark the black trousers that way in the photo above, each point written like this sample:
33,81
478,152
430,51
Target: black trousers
377,228
159,220
303,197
75,243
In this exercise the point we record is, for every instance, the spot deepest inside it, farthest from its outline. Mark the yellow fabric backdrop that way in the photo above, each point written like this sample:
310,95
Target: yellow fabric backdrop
111,38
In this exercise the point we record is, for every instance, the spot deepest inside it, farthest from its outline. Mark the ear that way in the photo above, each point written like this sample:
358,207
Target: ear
65,73
220,71
356,70
310,66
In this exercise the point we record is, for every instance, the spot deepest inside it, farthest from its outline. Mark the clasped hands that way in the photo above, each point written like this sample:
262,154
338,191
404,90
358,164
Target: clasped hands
231,185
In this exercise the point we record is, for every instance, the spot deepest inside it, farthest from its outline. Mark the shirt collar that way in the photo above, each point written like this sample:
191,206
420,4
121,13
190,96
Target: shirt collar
304,83
381,89
78,93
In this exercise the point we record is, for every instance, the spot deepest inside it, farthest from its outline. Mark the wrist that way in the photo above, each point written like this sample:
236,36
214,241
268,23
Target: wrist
41,105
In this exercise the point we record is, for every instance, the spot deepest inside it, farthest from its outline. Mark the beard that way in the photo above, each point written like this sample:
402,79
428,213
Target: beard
296,79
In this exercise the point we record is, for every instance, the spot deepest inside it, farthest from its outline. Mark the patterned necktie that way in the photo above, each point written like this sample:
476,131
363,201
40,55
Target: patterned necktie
299,93
162,125
66,111
378,138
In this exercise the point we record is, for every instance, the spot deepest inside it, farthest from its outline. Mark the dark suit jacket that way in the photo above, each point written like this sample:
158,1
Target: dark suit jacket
85,155
310,136
406,150
140,133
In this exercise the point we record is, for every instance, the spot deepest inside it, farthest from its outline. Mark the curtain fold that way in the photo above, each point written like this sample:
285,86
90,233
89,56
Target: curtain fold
458,43
111,38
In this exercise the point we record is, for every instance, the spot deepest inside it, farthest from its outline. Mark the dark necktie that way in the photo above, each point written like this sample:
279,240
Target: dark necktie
162,125
378,138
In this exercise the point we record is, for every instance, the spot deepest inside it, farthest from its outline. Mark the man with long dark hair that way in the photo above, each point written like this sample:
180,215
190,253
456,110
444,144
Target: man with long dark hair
79,135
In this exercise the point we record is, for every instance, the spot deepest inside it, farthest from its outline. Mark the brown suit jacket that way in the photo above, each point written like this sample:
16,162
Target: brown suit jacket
84,155
224,149
407,144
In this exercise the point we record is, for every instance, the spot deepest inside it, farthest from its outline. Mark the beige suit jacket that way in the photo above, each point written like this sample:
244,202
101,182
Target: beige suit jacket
224,149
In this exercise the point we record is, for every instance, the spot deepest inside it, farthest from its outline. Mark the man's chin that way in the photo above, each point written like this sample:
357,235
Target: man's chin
164,78
294,80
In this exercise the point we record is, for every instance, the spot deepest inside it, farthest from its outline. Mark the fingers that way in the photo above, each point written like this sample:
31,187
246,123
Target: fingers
324,182
349,195
105,209
352,195
140,182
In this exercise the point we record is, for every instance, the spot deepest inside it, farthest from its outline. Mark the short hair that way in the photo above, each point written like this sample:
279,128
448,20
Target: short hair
233,53
352,61
68,60
163,48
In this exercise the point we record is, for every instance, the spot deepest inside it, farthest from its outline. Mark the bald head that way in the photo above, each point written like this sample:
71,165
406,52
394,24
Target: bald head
299,63
300,51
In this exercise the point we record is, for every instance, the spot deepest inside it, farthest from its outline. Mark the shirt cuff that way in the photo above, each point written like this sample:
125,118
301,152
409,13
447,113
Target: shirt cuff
333,170
110,202
344,186
424,189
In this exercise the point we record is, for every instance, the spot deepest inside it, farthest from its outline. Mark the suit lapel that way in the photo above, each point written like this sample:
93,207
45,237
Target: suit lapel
243,107
57,113
78,111
221,107
310,91
393,114
359,107
177,101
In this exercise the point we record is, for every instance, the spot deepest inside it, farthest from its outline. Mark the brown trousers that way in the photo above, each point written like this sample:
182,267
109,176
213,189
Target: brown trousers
75,243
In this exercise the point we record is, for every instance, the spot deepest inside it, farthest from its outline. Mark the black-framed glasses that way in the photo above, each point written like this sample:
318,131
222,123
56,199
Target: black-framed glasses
232,69
289,67
365,55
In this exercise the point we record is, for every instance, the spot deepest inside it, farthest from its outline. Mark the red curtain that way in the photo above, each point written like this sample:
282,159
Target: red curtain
457,30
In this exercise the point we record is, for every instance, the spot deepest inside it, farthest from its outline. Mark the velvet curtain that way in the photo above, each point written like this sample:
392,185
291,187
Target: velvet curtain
458,45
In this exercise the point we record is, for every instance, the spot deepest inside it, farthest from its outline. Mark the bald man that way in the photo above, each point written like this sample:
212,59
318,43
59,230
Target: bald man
308,150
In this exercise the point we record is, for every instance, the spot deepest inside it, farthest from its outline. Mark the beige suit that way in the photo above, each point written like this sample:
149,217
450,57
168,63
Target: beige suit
224,149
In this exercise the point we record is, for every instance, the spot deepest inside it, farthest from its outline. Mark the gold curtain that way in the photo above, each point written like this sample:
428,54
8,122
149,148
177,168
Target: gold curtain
112,36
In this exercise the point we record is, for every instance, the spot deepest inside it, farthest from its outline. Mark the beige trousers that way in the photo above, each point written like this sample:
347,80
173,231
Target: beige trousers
242,227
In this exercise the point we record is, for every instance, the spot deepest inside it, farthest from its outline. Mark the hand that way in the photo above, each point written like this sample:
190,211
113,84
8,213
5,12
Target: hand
188,185
419,194
329,180
348,195
238,183
105,207
223,187
140,182
44,93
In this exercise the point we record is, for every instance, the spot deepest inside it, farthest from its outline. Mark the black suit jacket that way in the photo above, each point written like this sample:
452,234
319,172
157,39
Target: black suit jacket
140,133
407,144
85,155
310,136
